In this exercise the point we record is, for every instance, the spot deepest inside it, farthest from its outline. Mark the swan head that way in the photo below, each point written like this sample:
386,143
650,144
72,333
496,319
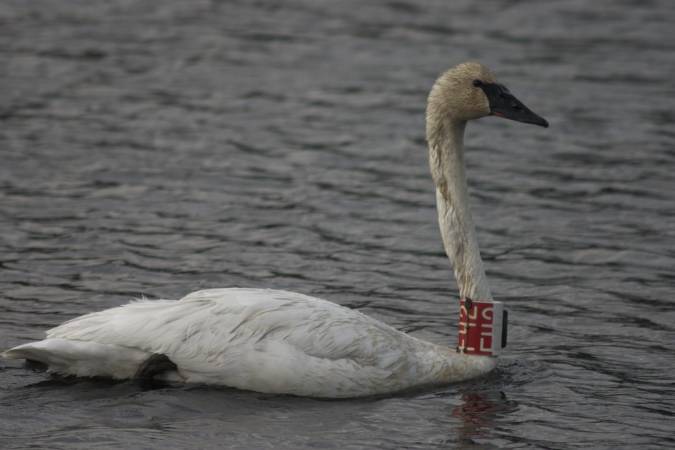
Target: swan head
470,91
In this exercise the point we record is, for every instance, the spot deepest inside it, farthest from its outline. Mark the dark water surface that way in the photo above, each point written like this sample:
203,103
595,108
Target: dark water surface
156,148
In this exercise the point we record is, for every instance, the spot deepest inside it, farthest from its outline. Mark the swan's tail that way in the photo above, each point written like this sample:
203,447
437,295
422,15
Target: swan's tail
80,358
25,351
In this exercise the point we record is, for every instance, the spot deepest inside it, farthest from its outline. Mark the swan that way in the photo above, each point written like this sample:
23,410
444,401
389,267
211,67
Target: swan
280,342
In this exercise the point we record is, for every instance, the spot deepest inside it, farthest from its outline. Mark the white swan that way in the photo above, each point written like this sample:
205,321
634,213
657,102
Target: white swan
283,342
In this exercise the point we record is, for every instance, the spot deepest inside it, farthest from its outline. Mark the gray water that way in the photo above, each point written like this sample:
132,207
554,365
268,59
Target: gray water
156,148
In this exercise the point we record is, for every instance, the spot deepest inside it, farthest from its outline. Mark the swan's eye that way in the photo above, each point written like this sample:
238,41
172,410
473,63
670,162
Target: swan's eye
477,83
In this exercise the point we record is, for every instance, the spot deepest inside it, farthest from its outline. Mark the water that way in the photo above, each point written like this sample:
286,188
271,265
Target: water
154,149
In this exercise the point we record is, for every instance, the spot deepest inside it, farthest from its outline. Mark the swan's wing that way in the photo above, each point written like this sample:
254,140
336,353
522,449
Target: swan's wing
287,342
211,321
264,340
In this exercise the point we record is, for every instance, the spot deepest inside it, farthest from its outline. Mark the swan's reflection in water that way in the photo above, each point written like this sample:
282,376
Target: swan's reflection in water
479,413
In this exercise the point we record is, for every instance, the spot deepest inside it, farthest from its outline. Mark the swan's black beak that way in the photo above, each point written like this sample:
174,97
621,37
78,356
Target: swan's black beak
504,104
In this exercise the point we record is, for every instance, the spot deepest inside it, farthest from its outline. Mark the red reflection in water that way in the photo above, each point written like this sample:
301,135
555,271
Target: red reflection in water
476,412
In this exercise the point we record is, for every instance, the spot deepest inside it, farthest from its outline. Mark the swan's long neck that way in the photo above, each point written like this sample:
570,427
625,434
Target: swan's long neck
446,158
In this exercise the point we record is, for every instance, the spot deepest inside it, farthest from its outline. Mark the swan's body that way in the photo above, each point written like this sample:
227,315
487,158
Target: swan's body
282,342
262,340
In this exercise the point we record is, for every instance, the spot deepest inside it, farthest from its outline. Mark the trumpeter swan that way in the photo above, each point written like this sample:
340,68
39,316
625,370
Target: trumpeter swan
282,342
